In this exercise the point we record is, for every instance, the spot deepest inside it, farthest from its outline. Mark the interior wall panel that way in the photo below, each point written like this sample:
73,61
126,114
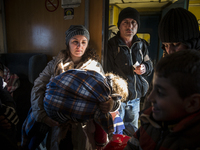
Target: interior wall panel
30,27
95,27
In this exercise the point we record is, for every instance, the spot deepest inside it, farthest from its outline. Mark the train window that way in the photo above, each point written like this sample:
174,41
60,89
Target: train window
145,36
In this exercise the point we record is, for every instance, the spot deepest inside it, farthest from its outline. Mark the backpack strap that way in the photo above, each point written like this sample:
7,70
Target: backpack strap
144,44
140,49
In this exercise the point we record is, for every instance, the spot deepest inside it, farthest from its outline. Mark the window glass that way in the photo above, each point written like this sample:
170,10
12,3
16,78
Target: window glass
145,36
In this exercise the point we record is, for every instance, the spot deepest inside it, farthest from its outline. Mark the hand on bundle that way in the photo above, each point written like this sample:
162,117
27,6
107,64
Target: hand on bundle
107,106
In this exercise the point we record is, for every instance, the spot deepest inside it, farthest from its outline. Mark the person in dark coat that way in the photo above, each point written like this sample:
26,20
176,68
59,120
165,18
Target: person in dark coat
178,30
128,57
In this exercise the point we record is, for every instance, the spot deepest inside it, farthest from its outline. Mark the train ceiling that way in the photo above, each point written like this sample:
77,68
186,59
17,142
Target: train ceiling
155,5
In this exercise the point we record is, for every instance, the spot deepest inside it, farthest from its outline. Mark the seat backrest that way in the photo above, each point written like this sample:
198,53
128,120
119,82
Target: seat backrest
25,65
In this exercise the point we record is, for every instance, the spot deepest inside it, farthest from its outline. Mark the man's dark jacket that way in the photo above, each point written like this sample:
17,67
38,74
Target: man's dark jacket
121,58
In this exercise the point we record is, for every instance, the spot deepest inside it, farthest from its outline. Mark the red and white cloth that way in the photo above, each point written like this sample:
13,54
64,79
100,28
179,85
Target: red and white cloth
11,80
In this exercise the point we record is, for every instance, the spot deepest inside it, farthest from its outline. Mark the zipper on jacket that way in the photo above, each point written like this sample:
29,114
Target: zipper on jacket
133,71
160,141
162,136
132,64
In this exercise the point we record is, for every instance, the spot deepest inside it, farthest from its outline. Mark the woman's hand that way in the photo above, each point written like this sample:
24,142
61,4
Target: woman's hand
50,122
4,122
107,106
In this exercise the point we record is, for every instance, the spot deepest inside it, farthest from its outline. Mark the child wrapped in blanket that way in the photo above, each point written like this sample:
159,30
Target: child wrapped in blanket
74,97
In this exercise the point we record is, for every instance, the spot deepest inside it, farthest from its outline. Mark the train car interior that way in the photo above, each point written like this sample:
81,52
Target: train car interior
32,32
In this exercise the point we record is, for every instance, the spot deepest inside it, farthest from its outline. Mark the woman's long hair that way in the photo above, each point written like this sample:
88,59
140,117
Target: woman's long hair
90,53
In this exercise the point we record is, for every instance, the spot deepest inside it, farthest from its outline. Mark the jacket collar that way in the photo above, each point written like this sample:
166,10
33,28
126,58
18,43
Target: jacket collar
146,117
193,43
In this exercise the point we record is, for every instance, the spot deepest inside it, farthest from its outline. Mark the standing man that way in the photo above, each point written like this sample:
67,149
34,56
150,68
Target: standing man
128,57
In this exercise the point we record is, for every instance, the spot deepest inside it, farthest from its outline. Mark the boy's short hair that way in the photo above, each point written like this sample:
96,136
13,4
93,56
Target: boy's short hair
183,70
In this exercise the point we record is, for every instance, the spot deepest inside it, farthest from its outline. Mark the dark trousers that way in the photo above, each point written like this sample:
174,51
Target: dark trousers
66,143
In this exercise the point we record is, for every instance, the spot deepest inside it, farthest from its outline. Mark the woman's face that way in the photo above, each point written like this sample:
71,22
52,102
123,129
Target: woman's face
77,46
174,47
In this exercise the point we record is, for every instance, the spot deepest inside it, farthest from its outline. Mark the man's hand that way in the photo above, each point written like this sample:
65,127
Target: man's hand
4,122
141,69
50,122
106,106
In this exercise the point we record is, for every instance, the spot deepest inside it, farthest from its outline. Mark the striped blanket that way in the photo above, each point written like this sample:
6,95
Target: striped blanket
117,123
75,95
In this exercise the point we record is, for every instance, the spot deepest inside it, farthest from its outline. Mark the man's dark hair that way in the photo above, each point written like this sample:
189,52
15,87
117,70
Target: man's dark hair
183,70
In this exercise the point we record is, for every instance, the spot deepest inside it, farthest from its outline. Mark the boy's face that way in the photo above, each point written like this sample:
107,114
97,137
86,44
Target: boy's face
167,105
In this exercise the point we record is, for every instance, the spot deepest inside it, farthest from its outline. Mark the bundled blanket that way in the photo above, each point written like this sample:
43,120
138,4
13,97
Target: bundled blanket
75,95
72,96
